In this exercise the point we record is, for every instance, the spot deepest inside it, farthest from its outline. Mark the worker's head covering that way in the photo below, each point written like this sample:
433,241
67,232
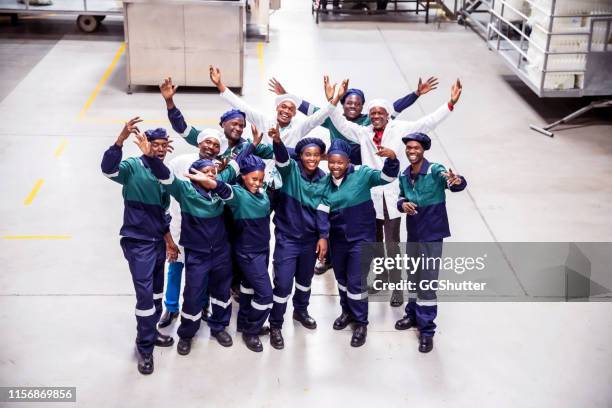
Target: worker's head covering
287,98
308,142
339,146
201,163
159,133
422,138
214,134
250,164
231,114
353,91
380,103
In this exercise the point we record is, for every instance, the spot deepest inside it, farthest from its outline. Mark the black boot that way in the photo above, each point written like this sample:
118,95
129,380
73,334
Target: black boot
223,338
303,317
342,321
145,363
425,344
252,342
163,341
167,318
359,336
405,323
397,298
184,346
276,338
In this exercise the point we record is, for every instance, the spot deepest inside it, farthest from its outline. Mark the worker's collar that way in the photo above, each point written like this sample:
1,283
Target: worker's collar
422,171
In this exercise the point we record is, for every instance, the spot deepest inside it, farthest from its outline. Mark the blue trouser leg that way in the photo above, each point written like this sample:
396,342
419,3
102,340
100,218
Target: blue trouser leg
422,306
306,261
173,286
254,268
286,255
246,295
146,260
219,283
349,275
197,268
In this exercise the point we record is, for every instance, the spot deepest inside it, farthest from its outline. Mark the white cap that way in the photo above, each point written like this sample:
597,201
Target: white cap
288,98
380,103
214,134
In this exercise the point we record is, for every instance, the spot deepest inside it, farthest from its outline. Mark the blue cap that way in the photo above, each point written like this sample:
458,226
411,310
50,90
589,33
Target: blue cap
250,164
339,146
231,114
308,142
353,91
159,133
422,138
201,163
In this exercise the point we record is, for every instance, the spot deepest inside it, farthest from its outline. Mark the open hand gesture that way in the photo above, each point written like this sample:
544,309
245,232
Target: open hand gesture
129,128
330,89
275,87
143,143
429,85
455,92
341,91
257,136
167,89
215,77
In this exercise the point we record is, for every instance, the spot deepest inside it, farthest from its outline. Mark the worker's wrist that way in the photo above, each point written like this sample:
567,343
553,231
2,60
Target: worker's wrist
170,103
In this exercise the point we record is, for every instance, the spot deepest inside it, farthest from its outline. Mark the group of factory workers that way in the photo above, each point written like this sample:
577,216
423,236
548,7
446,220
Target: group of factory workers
209,212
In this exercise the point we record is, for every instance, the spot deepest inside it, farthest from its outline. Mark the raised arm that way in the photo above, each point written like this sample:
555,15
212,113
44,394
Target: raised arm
112,166
422,88
252,115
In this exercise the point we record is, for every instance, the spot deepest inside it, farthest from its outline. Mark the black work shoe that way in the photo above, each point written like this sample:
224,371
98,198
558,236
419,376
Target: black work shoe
405,323
304,318
184,346
145,363
397,299
223,338
425,344
167,318
252,342
342,321
276,339
359,336
321,267
205,314
264,331
163,341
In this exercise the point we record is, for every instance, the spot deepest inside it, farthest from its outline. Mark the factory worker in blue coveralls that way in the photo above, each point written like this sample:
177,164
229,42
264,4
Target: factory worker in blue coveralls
385,131
233,123
422,197
250,206
145,237
353,224
352,105
204,239
301,230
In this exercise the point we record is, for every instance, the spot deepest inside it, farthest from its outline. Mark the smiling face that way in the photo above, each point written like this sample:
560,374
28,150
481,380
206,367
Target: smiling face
285,111
233,129
159,148
253,180
414,152
311,157
209,148
352,107
337,165
379,117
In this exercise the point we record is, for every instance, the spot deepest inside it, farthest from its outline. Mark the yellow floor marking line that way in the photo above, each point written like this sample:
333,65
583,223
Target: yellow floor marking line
60,149
102,81
33,193
260,60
